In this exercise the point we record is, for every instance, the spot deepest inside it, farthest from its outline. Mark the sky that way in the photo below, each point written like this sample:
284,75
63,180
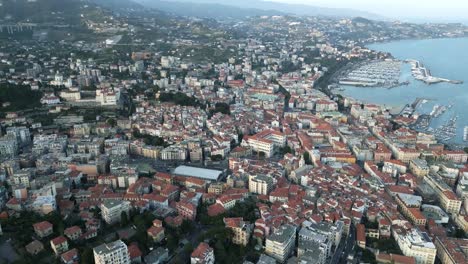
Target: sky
443,10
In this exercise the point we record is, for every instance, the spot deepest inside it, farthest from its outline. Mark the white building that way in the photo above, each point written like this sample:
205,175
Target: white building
266,141
203,254
280,244
8,147
107,97
260,184
111,211
417,244
115,253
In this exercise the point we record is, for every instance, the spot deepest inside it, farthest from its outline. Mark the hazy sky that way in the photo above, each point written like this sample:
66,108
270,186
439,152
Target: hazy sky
420,9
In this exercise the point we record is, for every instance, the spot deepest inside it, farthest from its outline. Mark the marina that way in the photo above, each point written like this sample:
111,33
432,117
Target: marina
465,134
374,74
447,131
439,110
440,61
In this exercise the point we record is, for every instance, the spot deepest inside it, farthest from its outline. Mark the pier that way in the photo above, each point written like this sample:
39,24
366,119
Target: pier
421,73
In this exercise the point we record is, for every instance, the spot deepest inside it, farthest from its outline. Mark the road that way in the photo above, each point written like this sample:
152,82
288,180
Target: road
7,252
193,238
344,248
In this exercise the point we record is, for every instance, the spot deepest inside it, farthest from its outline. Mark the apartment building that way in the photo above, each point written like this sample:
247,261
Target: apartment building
447,198
452,250
419,167
203,254
415,243
280,244
241,229
115,253
260,184
111,211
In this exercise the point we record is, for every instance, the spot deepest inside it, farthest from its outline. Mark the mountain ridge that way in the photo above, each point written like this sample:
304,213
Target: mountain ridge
266,6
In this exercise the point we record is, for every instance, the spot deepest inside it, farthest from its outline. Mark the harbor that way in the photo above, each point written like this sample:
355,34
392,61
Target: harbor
421,73
384,73
419,99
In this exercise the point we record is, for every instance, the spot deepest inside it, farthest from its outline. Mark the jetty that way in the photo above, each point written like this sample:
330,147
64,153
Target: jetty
421,73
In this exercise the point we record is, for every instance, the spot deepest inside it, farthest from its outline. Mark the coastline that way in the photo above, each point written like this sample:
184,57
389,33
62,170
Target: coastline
448,63
367,44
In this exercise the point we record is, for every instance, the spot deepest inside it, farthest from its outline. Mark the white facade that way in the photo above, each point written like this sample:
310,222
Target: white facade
281,243
414,243
111,210
115,253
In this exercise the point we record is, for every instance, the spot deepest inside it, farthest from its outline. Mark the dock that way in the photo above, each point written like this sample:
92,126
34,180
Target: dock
423,74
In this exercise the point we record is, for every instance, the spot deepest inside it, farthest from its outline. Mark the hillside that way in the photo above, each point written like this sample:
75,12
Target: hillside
244,8
207,10
41,11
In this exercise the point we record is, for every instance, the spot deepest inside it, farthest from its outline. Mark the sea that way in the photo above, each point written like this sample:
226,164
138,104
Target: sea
445,58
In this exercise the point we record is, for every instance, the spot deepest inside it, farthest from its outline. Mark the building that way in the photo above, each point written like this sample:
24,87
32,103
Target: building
435,213
452,250
187,210
70,257
447,198
174,153
59,245
107,97
22,134
409,206
241,229
43,229
111,211
115,253
281,243
265,259
326,106
419,167
35,247
73,233
267,142
156,233
8,147
394,259
216,188
457,156
158,256
406,154
203,254
311,252
199,173
44,204
417,244
361,235
260,184
319,238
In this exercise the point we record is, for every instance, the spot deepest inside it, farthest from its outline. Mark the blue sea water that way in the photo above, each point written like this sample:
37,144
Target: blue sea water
445,58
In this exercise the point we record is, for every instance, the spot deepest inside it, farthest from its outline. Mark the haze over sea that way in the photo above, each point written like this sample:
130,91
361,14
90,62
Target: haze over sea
445,58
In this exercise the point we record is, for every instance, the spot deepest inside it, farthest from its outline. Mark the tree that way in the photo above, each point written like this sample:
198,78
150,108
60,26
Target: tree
466,149
19,97
233,144
220,108
217,157
307,159
286,150
87,256
188,248
123,219
172,242
459,233
111,122
240,136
